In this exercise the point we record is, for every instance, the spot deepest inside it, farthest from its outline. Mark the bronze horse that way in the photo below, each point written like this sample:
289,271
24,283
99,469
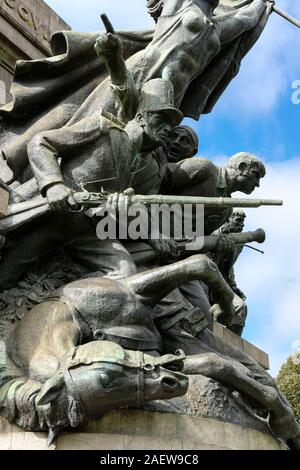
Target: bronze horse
73,369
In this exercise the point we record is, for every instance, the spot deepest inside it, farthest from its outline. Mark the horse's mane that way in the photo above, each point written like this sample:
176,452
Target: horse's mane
45,277
18,403
16,397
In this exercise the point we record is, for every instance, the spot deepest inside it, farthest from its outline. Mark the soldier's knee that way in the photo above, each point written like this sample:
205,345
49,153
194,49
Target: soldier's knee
122,271
218,364
203,263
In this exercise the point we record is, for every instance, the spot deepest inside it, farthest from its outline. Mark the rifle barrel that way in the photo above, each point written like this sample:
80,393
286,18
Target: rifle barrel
206,201
96,199
24,212
142,252
210,242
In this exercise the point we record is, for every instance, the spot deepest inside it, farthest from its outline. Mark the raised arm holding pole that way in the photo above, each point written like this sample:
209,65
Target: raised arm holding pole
286,16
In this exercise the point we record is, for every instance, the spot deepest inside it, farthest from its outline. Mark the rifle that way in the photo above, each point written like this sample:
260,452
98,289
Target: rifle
142,252
24,213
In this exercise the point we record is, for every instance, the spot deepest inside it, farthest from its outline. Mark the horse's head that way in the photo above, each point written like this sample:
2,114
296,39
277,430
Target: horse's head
100,376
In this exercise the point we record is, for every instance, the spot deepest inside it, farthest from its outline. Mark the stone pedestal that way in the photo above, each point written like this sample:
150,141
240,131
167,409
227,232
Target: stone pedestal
141,430
231,338
25,30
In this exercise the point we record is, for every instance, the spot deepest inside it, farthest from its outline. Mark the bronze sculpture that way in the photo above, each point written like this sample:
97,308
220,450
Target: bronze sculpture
113,336
226,262
96,310
240,24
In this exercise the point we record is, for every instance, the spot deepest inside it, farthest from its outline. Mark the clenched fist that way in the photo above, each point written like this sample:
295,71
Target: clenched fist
108,46
60,198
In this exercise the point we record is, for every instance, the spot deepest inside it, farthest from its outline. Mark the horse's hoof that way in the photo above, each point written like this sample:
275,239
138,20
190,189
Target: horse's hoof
294,444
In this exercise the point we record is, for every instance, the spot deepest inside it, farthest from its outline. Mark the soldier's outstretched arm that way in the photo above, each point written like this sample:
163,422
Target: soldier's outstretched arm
110,47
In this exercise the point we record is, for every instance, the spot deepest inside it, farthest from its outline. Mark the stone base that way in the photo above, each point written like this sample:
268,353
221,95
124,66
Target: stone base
140,430
257,354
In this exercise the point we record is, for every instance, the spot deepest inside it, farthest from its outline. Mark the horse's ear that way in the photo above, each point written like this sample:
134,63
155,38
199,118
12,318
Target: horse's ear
51,390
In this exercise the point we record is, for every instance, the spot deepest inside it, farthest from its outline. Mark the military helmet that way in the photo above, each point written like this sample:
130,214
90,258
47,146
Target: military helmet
157,95
192,133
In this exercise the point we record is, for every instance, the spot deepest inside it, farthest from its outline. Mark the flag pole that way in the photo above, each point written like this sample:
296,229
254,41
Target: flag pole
286,16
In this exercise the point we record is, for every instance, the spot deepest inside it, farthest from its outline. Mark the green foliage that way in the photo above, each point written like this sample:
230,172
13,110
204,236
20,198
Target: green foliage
288,381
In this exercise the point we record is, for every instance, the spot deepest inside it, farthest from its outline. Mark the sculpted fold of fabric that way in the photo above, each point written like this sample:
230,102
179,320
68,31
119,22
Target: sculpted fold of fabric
72,84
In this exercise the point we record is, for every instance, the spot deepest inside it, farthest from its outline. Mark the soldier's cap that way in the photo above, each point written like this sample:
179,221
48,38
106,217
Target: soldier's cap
157,95
239,212
192,134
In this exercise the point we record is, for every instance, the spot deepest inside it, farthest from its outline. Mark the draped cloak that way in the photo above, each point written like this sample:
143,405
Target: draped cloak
61,90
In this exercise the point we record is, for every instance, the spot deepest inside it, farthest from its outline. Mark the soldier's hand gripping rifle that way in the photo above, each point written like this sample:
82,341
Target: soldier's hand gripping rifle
24,213
142,252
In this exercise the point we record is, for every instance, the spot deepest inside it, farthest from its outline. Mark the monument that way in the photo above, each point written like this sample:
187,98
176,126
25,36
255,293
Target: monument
25,32
141,325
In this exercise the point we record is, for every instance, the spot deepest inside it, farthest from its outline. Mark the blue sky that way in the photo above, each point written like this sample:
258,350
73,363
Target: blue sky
255,114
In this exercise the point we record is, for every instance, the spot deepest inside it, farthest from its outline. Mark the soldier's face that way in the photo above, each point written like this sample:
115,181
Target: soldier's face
180,146
236,223
249,180
158,127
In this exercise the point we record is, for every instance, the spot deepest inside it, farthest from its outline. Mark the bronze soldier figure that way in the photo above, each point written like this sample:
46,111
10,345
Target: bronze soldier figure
97,154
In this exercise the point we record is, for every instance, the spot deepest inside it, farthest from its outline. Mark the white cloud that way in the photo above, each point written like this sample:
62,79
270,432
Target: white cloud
266,74
269,69
272,281
296,345
85,15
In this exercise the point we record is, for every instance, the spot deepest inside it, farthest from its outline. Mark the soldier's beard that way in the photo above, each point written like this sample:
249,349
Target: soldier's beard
150,142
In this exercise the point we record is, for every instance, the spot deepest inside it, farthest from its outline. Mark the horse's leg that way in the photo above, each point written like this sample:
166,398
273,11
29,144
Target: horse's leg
238,377
155,284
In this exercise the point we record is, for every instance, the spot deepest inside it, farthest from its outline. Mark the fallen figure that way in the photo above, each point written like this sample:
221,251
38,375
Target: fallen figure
66,360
